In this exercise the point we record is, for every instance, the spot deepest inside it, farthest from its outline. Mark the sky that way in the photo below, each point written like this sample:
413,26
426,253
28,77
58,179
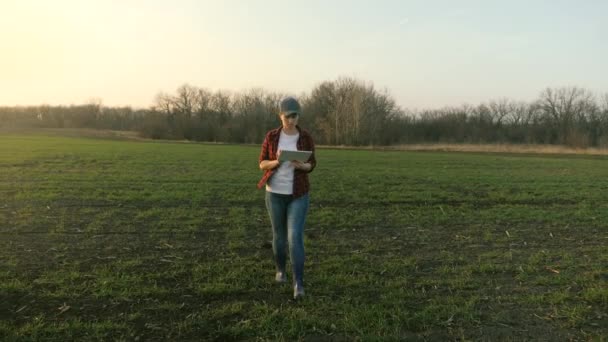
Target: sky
426,54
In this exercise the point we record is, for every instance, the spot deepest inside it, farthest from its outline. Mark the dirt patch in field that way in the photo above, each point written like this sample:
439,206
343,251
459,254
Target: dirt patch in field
75,133
439,147
483,148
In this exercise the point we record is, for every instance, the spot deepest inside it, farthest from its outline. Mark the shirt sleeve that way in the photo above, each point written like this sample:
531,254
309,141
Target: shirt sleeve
312,160
264,153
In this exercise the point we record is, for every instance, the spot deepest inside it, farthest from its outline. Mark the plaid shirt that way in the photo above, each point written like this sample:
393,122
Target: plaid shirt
301,186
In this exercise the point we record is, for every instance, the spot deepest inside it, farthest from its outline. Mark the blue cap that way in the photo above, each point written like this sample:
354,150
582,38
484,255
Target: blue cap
289,105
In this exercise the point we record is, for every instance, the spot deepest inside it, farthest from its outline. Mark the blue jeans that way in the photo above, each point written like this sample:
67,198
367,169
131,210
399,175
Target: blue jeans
287,217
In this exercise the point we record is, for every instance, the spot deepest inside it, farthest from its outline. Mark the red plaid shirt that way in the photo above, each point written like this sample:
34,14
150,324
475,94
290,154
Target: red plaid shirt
301,186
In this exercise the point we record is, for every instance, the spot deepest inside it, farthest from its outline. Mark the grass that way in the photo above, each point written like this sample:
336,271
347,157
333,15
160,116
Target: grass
127,240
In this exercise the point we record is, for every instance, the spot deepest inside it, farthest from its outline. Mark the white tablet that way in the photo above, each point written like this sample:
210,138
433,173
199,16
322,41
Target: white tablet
295,155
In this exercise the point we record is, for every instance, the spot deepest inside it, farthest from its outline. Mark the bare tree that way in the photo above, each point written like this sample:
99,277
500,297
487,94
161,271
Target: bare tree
499,110
164,103
350,111
564,106
186,100
519,113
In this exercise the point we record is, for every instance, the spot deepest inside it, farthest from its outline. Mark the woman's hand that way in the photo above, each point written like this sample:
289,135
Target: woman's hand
298,165
276,161
271,164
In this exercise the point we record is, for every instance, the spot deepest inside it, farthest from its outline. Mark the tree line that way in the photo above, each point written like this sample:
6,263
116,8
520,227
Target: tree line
346,111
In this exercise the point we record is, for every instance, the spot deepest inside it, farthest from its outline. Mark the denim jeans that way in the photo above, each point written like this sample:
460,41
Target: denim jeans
287,217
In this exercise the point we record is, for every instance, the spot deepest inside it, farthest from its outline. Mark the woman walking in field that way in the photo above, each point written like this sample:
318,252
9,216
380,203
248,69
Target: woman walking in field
287,191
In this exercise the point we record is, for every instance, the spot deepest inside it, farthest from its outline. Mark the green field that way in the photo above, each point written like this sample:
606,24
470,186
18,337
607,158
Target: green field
123,240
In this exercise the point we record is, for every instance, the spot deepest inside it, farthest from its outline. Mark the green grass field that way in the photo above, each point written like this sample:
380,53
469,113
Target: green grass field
122,240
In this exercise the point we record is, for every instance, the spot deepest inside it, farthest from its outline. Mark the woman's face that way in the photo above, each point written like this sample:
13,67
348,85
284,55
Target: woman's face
289,121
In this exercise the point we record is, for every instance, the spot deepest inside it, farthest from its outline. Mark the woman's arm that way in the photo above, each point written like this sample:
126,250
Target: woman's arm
308,144
270,164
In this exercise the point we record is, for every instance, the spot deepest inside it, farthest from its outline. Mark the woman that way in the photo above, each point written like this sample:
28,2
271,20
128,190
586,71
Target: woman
287,191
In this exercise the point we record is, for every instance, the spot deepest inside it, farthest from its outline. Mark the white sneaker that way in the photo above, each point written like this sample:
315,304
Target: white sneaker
280,277
298,291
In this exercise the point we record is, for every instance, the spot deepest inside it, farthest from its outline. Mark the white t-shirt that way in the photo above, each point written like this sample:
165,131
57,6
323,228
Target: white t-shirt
281,181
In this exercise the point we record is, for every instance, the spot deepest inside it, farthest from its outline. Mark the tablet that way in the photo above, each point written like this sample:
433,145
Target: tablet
295,155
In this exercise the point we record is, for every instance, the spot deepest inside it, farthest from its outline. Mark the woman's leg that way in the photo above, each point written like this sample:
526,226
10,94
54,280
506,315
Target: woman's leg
296,218
277,210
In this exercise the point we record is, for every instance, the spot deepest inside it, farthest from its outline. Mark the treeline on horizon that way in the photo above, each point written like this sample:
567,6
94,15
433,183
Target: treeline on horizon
346,111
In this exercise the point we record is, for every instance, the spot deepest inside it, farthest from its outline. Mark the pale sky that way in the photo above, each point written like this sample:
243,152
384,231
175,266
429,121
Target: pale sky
427,54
